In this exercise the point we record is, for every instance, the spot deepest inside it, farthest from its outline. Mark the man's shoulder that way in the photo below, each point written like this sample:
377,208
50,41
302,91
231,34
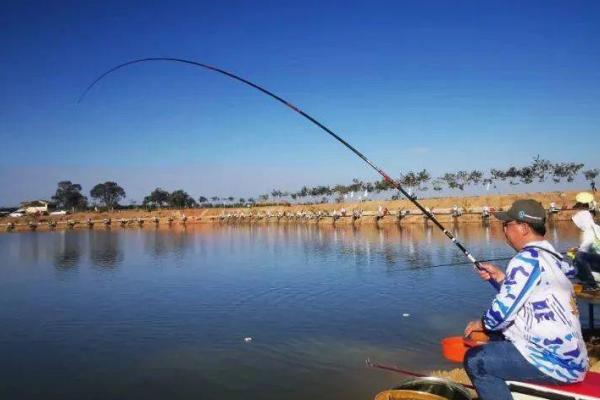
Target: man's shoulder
534,250
528,256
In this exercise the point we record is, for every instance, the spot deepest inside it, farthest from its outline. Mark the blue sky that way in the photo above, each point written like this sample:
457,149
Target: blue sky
437,85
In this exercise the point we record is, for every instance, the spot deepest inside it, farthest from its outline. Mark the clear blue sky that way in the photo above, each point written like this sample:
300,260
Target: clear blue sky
413,84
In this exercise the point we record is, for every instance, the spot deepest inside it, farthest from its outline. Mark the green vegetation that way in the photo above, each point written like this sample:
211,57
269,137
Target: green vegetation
108,193
68,195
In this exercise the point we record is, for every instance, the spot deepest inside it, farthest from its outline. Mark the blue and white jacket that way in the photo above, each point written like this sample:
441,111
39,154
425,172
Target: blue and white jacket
536,310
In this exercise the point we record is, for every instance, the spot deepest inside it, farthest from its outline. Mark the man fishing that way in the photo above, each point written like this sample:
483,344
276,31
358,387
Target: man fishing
534,312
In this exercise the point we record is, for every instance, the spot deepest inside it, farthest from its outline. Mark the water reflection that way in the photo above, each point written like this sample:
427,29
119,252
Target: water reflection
105,248
411,246
176,242
67,250
317,300
29,246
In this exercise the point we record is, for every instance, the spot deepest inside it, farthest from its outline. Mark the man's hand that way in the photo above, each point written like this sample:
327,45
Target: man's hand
489,271
473,326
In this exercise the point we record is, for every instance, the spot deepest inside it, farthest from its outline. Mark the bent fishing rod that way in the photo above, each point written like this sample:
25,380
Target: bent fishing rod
385,176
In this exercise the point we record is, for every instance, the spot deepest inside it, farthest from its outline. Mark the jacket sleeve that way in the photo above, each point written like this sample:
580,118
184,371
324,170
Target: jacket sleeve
522,276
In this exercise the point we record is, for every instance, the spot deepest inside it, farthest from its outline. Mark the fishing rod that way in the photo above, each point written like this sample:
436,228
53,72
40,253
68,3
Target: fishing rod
467,262
385,176
393,368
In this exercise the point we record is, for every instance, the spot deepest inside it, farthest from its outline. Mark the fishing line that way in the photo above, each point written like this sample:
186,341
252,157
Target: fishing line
385,176
452,264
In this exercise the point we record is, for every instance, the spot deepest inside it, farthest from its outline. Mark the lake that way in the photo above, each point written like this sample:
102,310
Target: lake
165,313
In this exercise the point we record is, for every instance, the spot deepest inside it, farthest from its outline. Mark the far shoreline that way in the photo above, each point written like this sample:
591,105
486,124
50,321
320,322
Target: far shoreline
448,210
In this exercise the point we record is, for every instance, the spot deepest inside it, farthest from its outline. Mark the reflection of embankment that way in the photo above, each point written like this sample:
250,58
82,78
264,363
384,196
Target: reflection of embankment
161,243
68,251
397,247
105,249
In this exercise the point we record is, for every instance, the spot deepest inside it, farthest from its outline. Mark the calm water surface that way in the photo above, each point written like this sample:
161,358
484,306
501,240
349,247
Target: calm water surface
162,314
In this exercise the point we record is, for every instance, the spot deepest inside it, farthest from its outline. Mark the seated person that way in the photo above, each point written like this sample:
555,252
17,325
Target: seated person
534,311
587,256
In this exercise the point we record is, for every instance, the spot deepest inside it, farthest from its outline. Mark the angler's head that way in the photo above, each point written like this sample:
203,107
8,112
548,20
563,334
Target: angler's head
523,222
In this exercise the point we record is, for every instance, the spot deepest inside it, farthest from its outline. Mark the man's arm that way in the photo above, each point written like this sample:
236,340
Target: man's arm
522,275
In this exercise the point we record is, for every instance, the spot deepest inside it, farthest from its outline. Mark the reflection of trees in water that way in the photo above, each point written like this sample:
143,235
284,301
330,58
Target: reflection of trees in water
105,249
161,243
398,247
29,246
68,250
412,246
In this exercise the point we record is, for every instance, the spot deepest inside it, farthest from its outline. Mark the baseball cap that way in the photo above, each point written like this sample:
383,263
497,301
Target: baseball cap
584,197
528,210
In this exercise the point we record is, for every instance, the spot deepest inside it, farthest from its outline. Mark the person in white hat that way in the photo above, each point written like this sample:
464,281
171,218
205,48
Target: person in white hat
586,201
587,257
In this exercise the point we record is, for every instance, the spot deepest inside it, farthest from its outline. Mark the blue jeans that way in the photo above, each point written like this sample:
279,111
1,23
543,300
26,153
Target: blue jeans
491,364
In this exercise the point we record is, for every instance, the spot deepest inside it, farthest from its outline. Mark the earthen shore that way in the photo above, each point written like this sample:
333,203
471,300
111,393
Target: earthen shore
448,210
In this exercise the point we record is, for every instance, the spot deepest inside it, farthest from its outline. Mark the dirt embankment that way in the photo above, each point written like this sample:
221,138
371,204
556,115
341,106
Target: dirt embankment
468,208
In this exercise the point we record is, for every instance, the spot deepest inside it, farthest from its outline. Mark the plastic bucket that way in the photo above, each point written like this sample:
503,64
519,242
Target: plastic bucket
454,348
438,387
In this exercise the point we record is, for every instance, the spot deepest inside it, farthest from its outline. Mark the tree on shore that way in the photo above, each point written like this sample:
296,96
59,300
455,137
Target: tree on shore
475,177
109,193
276,194
437,184
415,181
590,176
158,198
180,199
68,196
539,170
568,171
